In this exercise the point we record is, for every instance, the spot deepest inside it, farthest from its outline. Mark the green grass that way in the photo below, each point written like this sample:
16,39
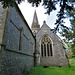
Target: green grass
72,62
54,70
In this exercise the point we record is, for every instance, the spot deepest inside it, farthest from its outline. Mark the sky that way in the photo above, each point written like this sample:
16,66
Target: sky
28,13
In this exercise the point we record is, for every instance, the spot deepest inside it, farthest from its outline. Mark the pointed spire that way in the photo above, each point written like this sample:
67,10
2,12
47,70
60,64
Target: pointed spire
35,24
35,19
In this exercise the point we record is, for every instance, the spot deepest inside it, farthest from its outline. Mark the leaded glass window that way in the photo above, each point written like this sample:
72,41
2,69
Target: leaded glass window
42,49
46,46
45,49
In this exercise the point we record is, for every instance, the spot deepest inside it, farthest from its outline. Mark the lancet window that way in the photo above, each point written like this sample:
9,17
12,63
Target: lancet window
20,39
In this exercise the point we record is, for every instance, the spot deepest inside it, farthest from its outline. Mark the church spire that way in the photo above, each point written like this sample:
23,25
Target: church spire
35,19
35,24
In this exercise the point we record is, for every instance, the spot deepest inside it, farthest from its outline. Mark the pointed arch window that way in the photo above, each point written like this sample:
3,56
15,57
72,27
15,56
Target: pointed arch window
46,46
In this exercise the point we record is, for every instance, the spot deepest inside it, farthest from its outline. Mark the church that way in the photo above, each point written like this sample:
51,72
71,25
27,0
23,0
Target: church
22,47
49,48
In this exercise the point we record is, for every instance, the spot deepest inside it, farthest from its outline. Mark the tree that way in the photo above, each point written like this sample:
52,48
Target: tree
69,34
66,10
50,5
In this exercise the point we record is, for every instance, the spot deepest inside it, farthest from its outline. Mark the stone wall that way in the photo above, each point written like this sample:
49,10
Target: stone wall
18,44
3,13
58,58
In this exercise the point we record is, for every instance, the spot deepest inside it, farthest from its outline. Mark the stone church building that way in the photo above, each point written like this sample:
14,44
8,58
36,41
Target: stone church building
22,48
49,48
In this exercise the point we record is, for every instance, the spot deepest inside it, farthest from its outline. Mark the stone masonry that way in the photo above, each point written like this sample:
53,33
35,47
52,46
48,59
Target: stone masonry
20,46
3,13
17,43
58,58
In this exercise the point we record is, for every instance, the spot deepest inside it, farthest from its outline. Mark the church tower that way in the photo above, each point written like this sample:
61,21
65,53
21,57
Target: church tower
35,25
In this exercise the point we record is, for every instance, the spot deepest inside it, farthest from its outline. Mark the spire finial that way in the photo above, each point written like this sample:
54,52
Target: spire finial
44,22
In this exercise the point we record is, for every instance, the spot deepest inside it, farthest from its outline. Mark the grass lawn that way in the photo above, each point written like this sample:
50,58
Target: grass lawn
72,61
54,70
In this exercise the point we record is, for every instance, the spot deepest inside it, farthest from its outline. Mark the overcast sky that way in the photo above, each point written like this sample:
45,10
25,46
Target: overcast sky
28,12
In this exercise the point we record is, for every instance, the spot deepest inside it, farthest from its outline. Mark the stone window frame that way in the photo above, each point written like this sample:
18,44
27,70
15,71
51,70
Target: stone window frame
46,47
20,39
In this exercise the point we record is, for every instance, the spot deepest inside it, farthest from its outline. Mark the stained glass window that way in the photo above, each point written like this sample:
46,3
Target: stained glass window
46,46
42,49
48,49
51,49
45,49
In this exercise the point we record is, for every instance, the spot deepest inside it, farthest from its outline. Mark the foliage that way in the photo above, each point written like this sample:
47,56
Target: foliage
49,5
73,49
8,3
67,10
72,61
72,0
69,34
72,56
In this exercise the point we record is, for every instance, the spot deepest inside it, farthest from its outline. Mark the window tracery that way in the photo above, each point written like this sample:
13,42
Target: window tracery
46,46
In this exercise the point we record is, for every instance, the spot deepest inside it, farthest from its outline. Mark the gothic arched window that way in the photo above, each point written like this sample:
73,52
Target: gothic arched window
46,46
